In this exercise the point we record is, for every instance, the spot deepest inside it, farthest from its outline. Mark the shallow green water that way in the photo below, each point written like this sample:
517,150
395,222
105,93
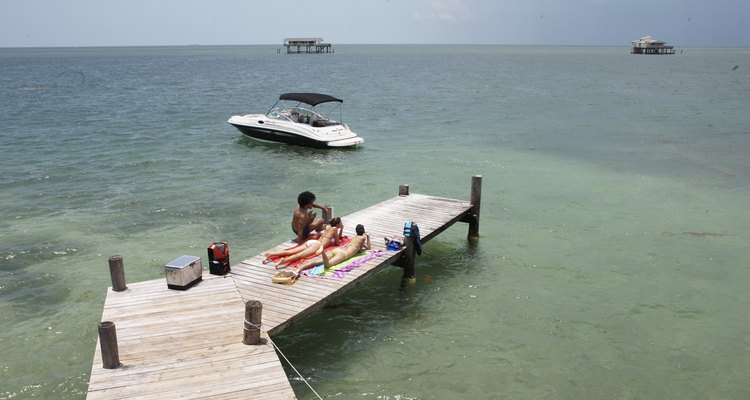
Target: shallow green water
612,258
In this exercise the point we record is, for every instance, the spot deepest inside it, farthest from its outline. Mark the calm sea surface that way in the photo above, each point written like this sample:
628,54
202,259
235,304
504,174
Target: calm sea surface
613,258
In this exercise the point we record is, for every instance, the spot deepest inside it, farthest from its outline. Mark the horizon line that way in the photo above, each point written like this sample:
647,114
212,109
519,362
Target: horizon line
353,44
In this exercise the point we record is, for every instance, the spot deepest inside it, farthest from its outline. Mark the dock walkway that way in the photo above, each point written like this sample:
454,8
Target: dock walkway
188,344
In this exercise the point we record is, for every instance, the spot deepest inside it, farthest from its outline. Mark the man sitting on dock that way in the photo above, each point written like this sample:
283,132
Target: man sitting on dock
338,255
304,220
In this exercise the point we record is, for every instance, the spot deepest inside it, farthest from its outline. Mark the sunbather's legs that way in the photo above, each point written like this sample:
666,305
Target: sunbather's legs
312,247
296,252
311,263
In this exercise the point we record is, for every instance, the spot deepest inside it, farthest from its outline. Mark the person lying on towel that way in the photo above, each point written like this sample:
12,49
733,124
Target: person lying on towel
338,255
331,236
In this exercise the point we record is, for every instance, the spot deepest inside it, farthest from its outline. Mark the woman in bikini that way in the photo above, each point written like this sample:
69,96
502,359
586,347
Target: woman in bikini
331,236
337,255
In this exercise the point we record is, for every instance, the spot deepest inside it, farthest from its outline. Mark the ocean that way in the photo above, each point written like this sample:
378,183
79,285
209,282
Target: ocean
612,261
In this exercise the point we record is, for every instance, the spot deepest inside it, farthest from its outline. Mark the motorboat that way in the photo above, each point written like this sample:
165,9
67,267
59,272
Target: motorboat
300,119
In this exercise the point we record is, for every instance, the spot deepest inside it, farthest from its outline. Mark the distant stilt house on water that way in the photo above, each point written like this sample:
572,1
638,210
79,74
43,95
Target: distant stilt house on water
649,45
307,46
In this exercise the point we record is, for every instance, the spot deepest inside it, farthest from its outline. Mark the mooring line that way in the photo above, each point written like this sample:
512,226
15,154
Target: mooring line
260,328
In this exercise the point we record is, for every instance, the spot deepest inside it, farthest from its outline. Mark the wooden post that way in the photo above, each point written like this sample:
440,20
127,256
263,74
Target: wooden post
108,344
408,261
403,190
117,273
327,213
253,313
476,202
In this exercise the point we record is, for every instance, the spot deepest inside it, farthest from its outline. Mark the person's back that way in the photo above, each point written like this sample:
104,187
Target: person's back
354,246
332,233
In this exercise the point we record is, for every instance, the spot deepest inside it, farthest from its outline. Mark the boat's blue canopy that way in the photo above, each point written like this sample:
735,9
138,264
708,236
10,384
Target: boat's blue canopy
312,99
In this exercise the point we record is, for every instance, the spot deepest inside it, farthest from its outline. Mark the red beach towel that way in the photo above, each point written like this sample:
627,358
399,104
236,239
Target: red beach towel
343,242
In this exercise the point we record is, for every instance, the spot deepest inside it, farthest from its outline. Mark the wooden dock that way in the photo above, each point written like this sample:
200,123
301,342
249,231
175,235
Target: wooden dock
189,344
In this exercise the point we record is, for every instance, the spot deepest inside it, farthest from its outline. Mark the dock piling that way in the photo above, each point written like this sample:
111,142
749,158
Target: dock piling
117,273
408,261
327,213
108,344
403,190
253,314
476,201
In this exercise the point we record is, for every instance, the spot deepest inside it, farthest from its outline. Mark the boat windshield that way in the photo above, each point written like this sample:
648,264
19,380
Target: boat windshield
304,113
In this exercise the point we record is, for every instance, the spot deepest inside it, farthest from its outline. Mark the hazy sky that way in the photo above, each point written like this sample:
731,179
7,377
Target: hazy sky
31,23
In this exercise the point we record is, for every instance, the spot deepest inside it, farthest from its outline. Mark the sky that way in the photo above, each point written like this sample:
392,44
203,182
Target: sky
56,23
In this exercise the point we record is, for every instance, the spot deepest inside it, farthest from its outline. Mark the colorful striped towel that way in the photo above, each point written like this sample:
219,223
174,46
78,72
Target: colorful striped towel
339,270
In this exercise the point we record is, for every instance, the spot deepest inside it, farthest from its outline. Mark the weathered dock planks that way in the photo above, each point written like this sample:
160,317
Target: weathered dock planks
176,344
188,344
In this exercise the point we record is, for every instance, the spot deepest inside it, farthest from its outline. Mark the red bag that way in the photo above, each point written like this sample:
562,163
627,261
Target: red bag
218,258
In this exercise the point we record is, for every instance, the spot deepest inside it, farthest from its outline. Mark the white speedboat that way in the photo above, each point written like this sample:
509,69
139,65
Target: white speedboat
296,119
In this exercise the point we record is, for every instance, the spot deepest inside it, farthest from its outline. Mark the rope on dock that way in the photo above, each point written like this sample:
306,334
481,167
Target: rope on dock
260,328
295,369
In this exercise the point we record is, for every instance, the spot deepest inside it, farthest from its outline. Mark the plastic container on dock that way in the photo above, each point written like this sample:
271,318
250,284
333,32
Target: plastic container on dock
218,258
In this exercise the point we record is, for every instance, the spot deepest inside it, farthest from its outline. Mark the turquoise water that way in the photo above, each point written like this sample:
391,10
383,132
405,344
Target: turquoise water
612,261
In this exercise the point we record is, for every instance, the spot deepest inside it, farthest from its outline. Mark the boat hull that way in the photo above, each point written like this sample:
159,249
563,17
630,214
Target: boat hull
267,131
268,135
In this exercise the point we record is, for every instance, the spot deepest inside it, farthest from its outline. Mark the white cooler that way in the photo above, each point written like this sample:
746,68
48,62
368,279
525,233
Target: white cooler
183,272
